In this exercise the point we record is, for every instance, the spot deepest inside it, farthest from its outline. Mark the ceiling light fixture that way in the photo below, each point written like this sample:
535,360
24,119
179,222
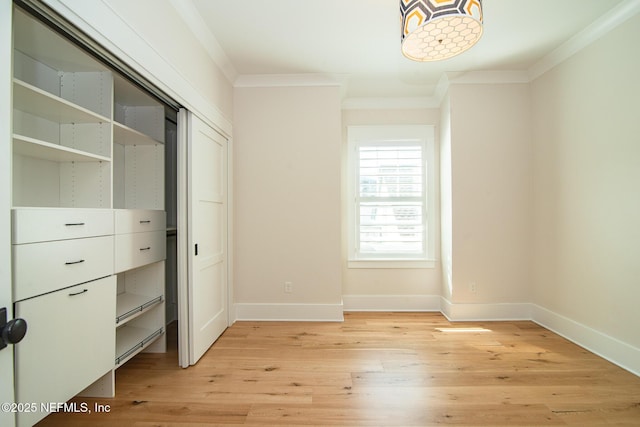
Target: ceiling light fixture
433,30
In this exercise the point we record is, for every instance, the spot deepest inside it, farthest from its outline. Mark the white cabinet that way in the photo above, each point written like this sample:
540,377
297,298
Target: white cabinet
140,238
39,268
139,220
42,225
63,285
88,220
69,344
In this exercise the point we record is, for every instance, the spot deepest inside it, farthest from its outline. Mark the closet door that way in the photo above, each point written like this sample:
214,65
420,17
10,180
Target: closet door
207,235
6,354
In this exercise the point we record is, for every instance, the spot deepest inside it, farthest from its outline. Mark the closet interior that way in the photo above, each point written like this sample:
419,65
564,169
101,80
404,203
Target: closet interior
93,218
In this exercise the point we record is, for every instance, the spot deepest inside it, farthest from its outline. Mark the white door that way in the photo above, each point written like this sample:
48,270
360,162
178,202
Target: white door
207,236
6,355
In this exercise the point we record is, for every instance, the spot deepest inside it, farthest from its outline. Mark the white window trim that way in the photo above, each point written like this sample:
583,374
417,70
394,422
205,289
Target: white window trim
382,134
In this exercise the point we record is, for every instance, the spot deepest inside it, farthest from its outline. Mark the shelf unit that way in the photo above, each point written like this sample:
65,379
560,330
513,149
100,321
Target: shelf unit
138,148
139,320
86,144
62,121
140,312
130,306
131,340
138,164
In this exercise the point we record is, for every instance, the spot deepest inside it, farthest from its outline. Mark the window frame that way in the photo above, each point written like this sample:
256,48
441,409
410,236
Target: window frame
385,135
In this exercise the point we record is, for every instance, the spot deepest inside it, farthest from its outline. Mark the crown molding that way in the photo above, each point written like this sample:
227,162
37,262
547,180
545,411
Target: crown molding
190,15
476,77
408,103
287,80
590,34
488,77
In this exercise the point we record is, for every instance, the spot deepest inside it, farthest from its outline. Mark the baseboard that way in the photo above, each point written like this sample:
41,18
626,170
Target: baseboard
609,348
391,302
605,346
289,312
485,312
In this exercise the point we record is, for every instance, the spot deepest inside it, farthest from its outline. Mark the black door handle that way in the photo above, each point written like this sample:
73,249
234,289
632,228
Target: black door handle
11,332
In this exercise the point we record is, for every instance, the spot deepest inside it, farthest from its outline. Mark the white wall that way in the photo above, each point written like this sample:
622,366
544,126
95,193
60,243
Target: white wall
287,177
587,186
363,286
491,192
446,228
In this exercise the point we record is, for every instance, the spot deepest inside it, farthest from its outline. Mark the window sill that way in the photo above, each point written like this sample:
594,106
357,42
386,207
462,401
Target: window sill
392,263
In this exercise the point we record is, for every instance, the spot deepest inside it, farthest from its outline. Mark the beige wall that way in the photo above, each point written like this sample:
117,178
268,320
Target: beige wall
587,186
287,177
399,281
491,184
446,228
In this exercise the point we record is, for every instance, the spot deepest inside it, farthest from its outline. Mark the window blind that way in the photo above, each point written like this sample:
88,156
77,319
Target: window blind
390,201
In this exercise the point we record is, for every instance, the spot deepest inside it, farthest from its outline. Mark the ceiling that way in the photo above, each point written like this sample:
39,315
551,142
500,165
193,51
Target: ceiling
358,41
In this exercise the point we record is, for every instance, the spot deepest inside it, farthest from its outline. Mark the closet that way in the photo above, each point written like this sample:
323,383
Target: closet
89,224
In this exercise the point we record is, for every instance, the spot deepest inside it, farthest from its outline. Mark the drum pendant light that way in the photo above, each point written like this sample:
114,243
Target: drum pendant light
433,30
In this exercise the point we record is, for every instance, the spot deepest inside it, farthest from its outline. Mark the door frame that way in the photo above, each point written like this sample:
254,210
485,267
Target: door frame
6,110
182,240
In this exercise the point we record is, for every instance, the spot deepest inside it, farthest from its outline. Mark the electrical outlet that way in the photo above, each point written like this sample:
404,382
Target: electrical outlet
473,287
288,287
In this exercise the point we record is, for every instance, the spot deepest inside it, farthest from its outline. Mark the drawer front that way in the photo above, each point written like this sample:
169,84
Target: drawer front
138,249
139,220
70,343
43,225
39,268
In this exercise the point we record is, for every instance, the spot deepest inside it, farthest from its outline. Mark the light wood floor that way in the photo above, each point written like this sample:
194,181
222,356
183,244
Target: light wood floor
375,369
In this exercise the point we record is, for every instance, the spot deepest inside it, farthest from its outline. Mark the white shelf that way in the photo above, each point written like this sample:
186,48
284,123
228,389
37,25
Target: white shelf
38,102
132,340
32,147
48,47
129,306
124,135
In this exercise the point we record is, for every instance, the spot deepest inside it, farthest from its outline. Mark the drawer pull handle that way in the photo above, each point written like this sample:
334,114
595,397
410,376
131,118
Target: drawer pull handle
145,249
145,221
74,224
73,262
79,293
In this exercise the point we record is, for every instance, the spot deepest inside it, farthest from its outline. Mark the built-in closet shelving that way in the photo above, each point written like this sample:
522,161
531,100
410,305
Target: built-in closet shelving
138,150
88,218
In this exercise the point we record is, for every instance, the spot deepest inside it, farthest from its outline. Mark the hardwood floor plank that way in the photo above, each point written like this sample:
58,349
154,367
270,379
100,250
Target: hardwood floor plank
373,369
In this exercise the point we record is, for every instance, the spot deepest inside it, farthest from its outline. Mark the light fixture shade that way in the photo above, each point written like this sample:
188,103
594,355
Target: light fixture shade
439,29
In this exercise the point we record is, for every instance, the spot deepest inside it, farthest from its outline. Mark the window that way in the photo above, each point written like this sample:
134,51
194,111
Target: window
389,180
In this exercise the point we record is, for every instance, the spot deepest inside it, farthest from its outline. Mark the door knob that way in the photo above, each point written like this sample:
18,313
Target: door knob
11,332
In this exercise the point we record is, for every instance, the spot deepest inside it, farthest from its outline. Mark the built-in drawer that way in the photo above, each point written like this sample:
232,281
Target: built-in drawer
137,249
44,267
70,343
139,220
31,225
